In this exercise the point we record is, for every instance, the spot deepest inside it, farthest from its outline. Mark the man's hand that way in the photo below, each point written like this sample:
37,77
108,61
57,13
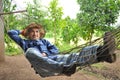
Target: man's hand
44,54
23,32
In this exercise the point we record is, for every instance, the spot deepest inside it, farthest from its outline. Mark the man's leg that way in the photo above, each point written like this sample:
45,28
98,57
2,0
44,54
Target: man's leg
88,54
69,66
43,65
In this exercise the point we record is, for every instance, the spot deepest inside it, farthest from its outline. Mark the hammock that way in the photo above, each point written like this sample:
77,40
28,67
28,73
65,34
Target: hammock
79,56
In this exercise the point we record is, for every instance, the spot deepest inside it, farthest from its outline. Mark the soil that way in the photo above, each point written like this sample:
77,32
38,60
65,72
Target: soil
18,68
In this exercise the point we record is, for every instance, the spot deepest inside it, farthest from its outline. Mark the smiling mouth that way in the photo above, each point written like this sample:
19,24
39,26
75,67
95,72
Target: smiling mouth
34,36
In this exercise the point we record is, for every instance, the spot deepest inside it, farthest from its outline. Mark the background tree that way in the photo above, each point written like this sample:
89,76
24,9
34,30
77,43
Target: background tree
2,47
55,17
97,15
10,22
35,13
70,31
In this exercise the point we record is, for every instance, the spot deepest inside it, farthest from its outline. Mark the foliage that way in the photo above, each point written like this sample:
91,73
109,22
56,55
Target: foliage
65,46
70,32
13,49
35,12
55,15
10,23
97,15
67,30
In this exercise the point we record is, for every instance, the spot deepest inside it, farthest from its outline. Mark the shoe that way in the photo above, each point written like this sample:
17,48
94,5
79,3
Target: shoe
68,70
106,52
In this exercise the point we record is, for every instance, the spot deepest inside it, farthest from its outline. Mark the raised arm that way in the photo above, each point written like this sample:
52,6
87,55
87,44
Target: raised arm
14,35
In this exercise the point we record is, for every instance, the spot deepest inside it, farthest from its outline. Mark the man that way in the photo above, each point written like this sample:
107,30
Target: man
45,57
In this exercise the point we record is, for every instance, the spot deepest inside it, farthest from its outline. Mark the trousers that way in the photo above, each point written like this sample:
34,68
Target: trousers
54,65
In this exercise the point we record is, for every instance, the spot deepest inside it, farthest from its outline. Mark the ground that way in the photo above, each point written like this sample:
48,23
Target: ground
18,68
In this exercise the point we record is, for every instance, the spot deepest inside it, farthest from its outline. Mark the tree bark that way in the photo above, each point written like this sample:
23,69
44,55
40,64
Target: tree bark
2,46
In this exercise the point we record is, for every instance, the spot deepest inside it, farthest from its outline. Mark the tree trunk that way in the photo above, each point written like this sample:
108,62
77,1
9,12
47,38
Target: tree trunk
2,46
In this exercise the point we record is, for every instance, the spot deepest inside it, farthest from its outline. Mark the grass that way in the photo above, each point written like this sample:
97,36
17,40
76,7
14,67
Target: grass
93,72
99,66
12,52
100,77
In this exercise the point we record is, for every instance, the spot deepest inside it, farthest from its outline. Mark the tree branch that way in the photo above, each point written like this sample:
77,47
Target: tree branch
13,12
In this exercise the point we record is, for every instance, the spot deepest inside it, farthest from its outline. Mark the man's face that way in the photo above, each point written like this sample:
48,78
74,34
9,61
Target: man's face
34,34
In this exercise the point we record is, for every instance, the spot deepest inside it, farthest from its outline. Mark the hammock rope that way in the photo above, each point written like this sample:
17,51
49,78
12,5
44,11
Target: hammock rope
114,41
115,33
